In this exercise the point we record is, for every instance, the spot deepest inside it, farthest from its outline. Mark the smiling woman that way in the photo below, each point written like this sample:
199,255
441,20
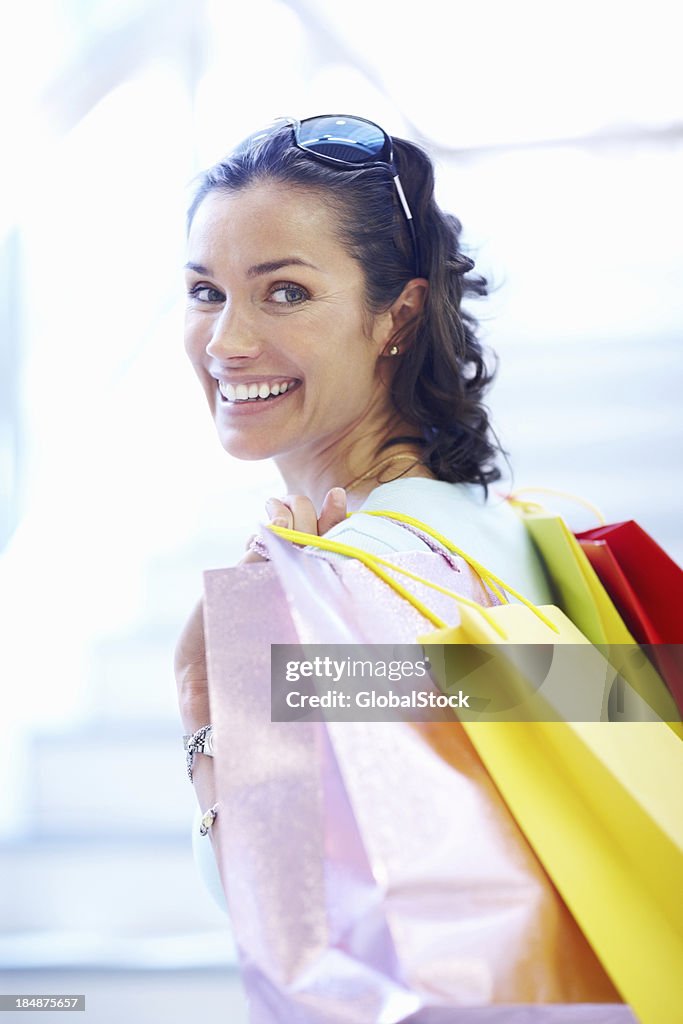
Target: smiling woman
325,324
295,325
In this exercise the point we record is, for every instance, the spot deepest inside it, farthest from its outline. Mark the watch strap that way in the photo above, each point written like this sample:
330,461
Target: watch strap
200,742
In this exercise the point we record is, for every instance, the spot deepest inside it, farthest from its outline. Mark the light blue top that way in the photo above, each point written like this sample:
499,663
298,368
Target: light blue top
490,531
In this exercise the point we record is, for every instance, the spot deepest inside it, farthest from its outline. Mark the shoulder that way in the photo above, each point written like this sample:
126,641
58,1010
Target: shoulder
434,502
489,530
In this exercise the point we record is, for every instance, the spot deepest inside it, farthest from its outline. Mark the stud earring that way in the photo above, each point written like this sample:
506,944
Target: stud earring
393,351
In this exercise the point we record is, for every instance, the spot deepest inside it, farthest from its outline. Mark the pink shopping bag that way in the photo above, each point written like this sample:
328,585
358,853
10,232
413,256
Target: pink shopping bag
372,870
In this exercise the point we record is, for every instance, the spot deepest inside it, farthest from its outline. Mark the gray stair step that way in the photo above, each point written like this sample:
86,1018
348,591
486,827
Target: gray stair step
110,779
126,889
93,950
131,676
141,996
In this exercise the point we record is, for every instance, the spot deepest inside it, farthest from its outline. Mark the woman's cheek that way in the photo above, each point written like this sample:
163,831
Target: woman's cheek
195,345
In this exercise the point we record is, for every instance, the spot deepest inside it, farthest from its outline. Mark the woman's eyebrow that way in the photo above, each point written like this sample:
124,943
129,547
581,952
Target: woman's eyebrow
259,268
271,265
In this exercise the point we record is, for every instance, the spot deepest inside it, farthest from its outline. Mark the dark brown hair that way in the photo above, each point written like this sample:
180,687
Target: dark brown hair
442,375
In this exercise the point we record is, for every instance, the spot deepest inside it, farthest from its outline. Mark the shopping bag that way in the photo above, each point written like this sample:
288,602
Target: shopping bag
600,804
646,586
305,908
371,869
638,692
576,587
582,595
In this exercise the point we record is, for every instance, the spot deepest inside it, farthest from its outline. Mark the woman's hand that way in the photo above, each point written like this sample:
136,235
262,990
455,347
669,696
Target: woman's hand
295,512
299,513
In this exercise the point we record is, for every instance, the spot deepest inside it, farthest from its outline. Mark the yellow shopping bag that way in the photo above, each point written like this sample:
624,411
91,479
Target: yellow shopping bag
600,804
598,801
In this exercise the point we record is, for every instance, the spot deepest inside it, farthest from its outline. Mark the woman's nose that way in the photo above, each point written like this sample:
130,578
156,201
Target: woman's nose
234,334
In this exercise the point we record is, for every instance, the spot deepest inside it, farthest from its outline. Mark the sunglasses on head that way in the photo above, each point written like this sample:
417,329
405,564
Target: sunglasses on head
347,143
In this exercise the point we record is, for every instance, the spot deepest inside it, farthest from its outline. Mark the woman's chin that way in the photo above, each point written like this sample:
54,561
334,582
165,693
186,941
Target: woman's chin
248,449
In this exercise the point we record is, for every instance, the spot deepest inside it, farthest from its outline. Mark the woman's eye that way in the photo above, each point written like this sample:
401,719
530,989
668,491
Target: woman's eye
205,293
288,294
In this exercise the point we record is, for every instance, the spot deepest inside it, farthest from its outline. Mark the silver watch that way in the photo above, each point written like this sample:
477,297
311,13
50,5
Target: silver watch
202,741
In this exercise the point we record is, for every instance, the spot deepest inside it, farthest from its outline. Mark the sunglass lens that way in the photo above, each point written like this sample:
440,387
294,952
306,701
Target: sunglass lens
343,138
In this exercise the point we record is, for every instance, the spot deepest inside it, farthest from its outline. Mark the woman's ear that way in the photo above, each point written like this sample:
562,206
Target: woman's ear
405,311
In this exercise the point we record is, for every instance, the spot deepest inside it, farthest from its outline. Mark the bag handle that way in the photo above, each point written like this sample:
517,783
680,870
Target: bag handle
441,545
531,506
490,578
379,565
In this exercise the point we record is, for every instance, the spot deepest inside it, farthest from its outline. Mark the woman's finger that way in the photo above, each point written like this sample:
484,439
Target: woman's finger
277,510
333,510
302,509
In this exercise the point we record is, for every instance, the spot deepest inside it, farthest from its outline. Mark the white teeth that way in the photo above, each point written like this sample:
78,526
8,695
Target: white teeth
253,391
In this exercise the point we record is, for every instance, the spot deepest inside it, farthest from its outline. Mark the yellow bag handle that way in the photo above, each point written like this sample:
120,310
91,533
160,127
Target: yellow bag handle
379,565
531,506
496,585
486,575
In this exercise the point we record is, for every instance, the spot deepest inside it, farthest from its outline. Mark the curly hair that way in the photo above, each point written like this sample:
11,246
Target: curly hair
440,381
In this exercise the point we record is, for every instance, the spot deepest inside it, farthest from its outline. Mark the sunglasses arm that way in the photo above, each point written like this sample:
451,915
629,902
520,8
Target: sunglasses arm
402,197
411,225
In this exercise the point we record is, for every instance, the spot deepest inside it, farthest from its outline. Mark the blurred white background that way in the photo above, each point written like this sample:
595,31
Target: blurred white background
558,135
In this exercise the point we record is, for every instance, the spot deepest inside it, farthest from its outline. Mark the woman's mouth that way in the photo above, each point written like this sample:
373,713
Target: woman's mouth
255,392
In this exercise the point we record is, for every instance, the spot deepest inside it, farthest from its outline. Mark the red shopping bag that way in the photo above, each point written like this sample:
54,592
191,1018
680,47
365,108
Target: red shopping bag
646,585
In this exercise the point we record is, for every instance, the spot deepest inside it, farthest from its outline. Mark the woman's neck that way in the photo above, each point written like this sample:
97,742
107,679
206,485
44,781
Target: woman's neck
359,472
398,465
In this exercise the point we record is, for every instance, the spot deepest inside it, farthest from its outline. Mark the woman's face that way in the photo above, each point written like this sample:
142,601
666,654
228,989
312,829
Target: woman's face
275,307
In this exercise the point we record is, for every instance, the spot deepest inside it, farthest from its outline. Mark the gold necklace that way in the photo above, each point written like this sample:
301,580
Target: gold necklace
375,471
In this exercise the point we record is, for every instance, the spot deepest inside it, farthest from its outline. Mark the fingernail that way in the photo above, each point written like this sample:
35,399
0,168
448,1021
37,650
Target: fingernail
338,494
269,505
279,521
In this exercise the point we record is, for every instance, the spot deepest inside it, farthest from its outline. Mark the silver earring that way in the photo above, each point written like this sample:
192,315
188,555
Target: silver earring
393,351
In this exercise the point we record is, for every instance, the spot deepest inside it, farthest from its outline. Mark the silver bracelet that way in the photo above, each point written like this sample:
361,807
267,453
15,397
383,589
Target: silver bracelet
208,820
200,742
